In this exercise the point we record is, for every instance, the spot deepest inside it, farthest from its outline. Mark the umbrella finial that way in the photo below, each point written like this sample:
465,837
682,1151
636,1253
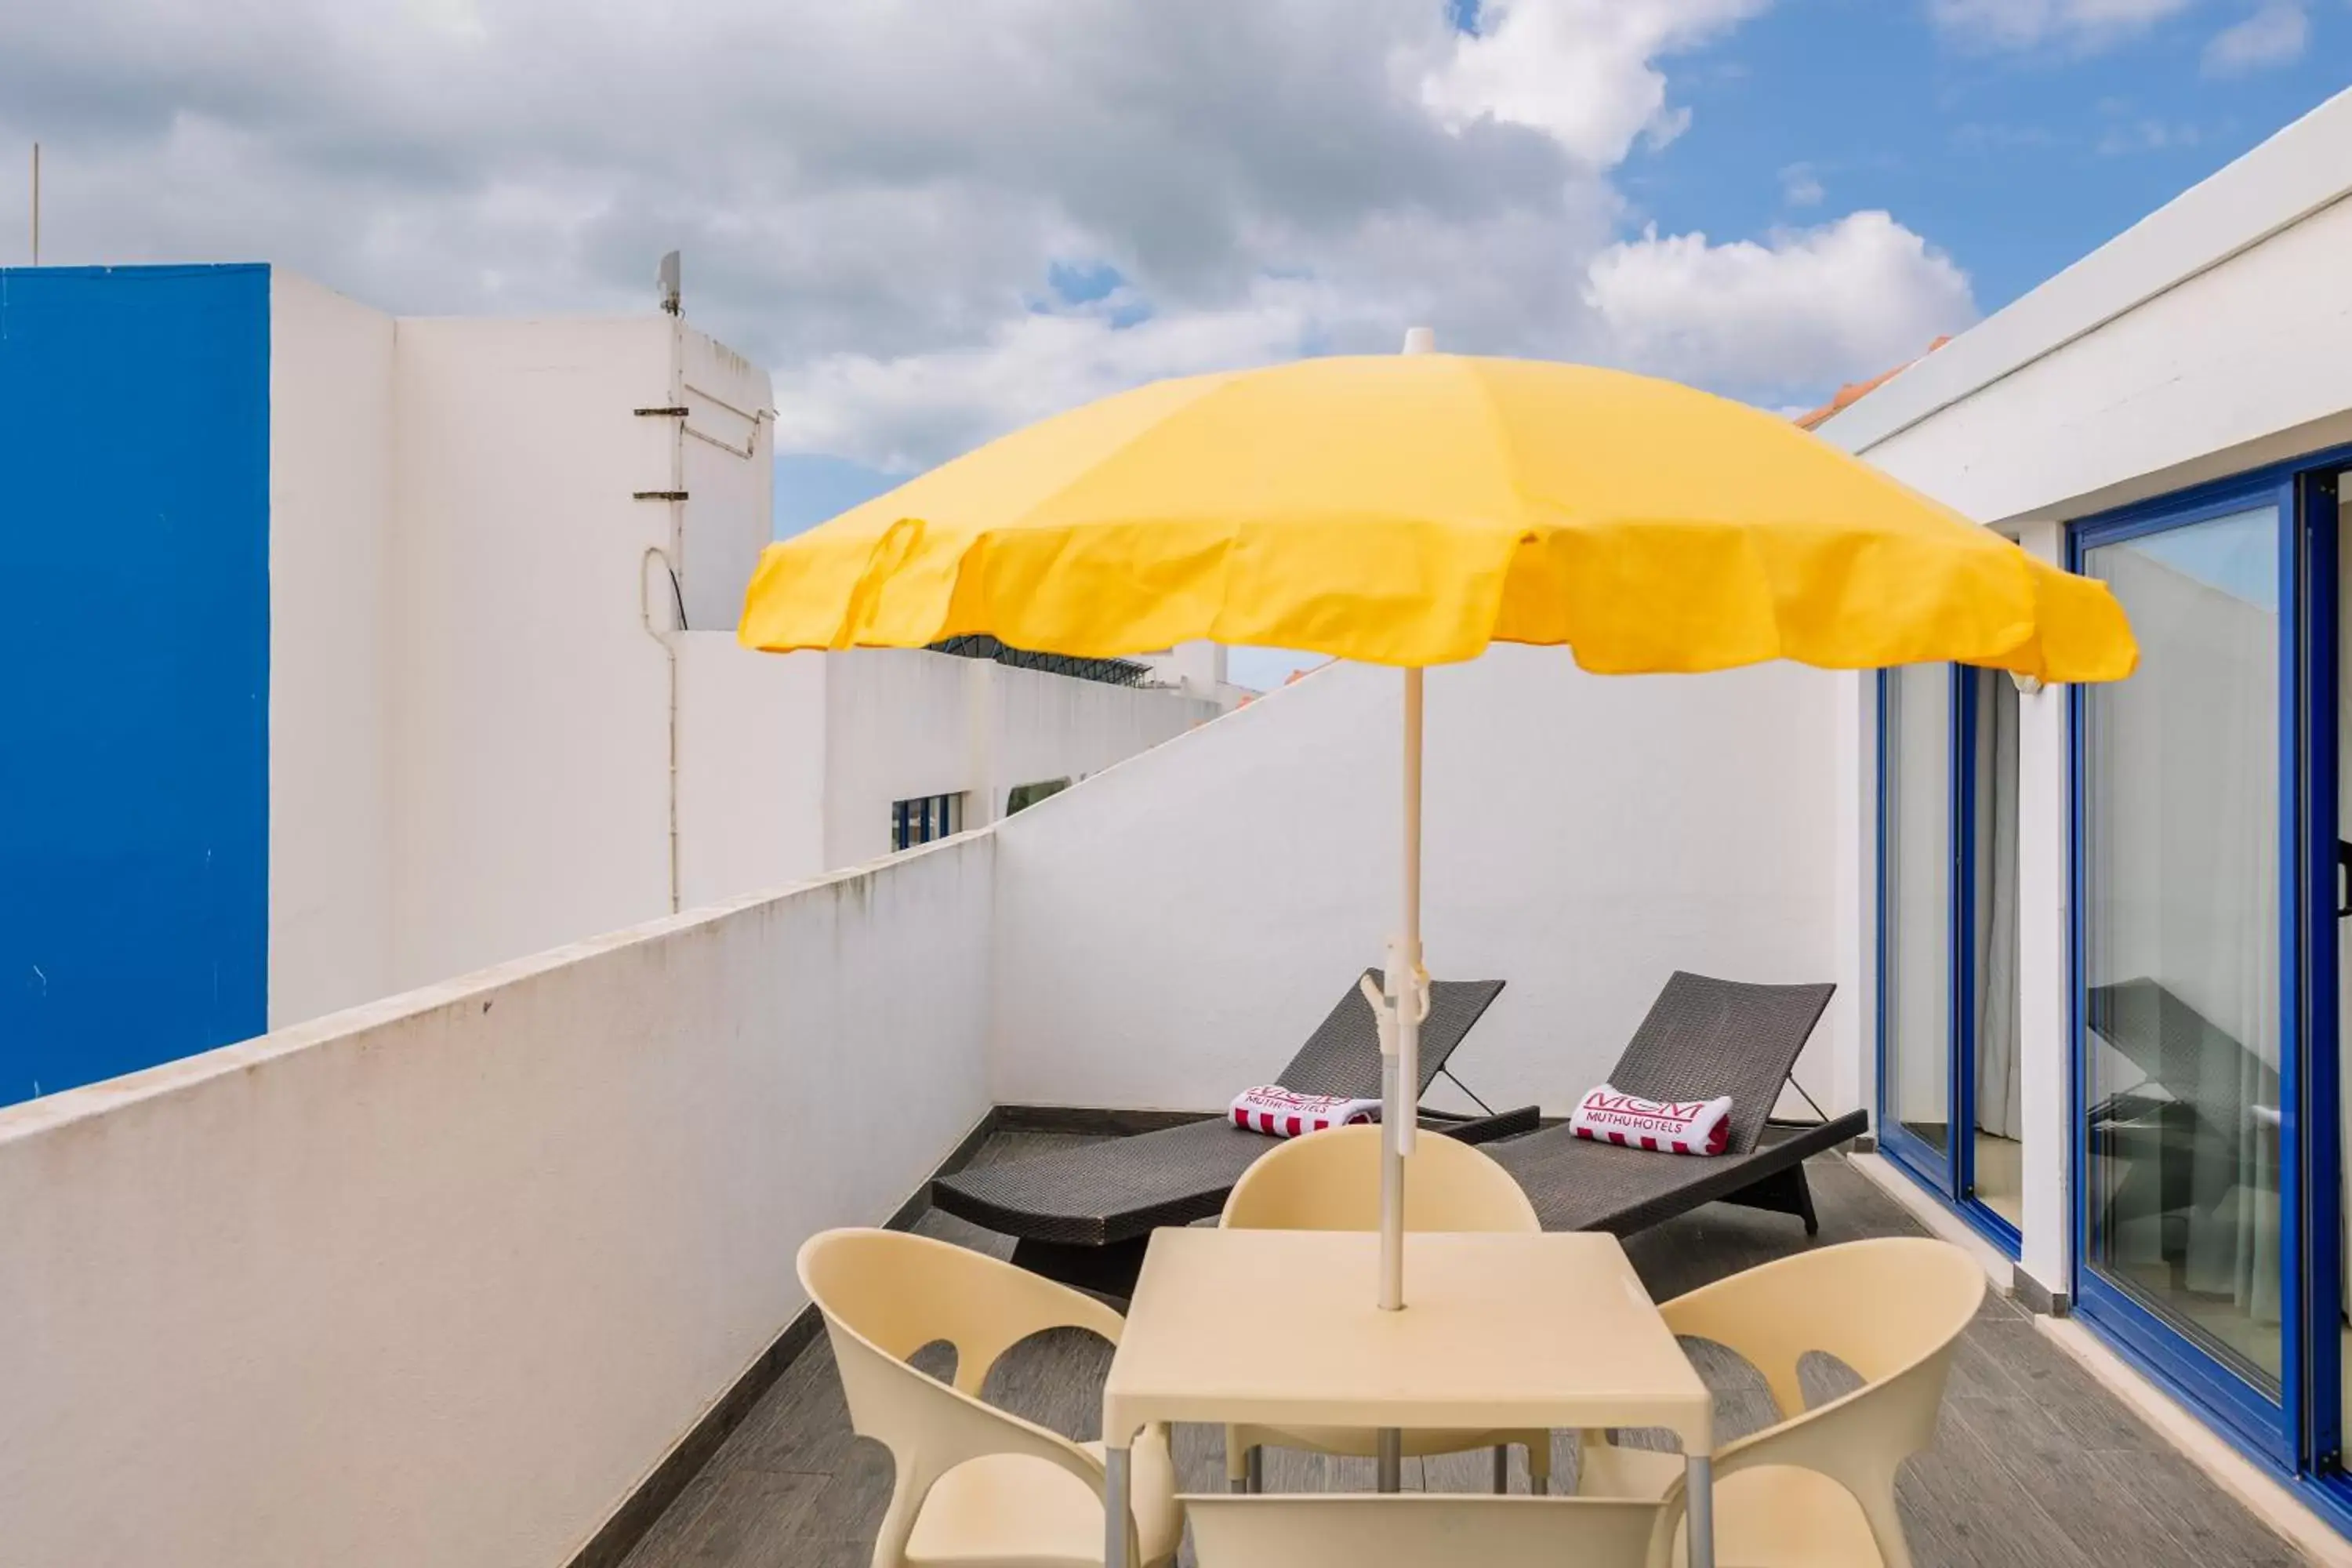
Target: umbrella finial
1420,341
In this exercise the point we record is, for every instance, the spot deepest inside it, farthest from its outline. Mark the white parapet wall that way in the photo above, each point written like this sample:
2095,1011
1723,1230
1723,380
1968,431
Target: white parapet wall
1170,933
440,1279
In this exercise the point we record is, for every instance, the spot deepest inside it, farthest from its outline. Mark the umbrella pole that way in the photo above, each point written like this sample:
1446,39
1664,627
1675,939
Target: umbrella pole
1401,1068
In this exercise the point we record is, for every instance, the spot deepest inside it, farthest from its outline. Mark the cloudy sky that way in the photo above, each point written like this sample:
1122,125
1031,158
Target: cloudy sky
935,219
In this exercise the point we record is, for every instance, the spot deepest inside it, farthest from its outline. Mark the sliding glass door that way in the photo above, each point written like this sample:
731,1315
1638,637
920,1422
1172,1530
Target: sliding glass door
2213,899
1948,937
2184,972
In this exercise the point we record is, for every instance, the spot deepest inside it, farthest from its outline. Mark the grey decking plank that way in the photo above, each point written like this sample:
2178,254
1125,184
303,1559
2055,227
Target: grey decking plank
659,1546
1961,1509
2172,1491
753,1520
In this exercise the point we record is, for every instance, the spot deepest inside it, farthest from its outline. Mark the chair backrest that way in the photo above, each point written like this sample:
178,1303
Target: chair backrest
1427,1530
886,1294
1706,1037
1891,1309
1342,1057
1331,1181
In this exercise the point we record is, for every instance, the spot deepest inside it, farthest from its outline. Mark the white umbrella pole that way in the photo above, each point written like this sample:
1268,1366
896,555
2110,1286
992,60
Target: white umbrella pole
1408,1003
1408,997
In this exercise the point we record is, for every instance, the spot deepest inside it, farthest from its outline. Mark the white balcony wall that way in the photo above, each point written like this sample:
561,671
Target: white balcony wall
440,1279
1169,934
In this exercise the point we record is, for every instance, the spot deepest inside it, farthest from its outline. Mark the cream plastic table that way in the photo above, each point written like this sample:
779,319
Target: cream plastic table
1499,1332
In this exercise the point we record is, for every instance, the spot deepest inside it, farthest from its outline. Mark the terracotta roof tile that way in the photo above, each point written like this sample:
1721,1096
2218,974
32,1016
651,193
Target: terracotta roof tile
1853,392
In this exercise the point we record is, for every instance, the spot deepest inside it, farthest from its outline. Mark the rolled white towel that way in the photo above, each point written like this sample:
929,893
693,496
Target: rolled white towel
1272,1108
1607,1115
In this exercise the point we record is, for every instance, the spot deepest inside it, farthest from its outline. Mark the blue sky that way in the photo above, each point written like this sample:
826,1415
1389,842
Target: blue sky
2015,163
2010,136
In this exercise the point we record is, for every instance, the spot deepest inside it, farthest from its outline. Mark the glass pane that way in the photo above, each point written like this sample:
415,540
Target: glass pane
2181,926
1999,1181
1917,901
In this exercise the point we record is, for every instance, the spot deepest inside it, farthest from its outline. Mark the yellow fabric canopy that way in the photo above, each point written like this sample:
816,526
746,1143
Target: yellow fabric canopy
1411,509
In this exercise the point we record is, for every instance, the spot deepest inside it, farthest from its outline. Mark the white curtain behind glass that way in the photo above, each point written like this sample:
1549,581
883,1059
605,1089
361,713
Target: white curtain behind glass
1919,713
1995,904
2185,879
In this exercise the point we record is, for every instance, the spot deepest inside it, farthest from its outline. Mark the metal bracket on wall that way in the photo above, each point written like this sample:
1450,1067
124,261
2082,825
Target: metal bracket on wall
658,495
656,412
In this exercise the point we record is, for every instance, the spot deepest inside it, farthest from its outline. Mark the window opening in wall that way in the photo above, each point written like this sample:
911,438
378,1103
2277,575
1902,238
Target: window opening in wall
925,819
1028,794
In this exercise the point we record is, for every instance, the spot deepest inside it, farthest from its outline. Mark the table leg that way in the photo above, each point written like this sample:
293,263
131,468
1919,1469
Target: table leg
1391,1461
1698,1492
1115,1509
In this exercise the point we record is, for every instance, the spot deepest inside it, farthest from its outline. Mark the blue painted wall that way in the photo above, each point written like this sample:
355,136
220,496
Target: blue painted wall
134,662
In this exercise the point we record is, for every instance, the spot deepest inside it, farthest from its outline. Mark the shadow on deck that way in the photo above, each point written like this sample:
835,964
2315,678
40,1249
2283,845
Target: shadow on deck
2034,1463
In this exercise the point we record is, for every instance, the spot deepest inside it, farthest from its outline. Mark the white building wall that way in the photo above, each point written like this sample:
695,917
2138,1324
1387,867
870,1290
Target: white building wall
897,725
2044,897
440,1280
474,706
530,719
726,466
1044,727
906,722
1170,934
331,868
752,768
2213,337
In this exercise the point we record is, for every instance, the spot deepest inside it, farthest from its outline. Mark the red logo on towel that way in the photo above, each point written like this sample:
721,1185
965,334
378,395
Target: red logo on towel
1607,1115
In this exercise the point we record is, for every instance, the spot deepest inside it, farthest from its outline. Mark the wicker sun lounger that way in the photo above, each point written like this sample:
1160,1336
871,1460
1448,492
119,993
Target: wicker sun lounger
1083,1216
1703,1037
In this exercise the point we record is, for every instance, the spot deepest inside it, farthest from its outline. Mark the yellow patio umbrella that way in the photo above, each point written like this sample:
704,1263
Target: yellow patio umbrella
1409,510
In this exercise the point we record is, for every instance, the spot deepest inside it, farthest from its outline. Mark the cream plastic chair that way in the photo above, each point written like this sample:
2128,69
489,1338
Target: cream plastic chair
1818,1488
976,1484
1331,1181
1427,1530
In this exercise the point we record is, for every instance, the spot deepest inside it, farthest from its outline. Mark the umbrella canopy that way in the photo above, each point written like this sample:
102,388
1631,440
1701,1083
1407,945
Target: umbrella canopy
1409,510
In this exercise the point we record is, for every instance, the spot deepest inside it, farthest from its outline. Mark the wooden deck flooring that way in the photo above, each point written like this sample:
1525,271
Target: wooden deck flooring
2035,1465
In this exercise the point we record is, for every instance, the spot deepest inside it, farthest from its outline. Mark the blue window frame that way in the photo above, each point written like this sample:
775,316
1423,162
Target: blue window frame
1948,1169
2296,1426
924,818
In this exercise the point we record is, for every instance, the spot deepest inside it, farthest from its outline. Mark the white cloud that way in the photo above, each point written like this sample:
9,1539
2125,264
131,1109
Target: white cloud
2031,24
906,411
1581,71
872,198
2276,33
1800,186
1807,307
2148,135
